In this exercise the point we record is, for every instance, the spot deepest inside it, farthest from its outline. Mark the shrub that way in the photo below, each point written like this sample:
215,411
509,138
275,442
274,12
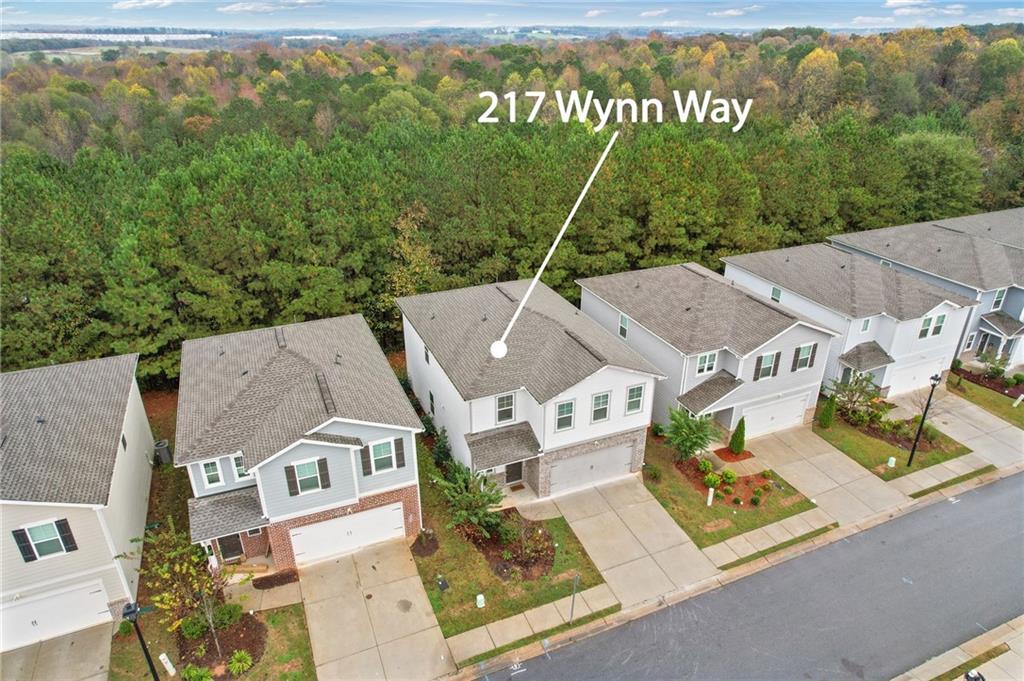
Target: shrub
755,501
194,626
930,433
124,628
652,472
888,426
758,492
766,487
828,412
739,437
471,498
658,430
729,476
226,614
506,533
727,489
994,366
442,450
719,495
687,434
957,363
1009,382
428,425
406,384
705,466
712,479
1018,378
767,475
194,673
240,662
737,501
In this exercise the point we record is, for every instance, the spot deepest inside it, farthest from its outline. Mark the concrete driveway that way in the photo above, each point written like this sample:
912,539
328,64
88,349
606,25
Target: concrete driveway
80,656
369,618
641,552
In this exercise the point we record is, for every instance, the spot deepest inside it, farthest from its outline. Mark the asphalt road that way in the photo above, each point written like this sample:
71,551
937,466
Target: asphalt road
868,607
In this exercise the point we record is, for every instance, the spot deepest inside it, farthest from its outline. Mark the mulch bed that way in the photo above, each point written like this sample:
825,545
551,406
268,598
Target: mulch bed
893,438
426,544
994,384
729,456
248,634
279,578
743,488
529,562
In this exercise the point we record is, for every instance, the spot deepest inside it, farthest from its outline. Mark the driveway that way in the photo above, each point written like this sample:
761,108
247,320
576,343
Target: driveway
369,618
840,486
81,656
641,552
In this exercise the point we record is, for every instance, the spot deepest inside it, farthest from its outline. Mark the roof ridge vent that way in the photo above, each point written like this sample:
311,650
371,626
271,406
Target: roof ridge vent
585,345
507,294
325,392
282,343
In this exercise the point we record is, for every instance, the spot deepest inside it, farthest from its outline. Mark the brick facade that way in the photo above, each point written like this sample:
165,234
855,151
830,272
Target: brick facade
539,475
281,542
255,547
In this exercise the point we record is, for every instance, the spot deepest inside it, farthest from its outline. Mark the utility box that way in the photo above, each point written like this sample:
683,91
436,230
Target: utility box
161,453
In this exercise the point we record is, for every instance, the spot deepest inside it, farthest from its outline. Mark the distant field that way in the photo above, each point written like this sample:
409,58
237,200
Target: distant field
90,53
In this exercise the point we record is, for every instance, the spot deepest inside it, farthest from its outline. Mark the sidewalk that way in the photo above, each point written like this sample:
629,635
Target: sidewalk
1007,665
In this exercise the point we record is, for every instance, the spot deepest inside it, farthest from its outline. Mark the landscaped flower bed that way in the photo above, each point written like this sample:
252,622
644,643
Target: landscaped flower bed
746,492
729,456
997,384
523,549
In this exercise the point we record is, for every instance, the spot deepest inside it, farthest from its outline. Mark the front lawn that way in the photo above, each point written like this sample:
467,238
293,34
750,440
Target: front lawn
707,525
468,572
989,400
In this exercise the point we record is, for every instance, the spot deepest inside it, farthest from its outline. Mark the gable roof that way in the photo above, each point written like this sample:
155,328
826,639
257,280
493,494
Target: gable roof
60,430
710,391
1003,226
259,391
552,346
866,356
694,309
1004,324
847,283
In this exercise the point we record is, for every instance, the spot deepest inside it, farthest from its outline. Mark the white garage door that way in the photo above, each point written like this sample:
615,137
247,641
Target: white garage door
905,379
786,413
581,471
330,538
55,614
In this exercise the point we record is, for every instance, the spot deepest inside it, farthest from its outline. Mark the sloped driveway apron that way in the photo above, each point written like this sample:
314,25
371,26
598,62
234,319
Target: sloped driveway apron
993,439
369,617
79,656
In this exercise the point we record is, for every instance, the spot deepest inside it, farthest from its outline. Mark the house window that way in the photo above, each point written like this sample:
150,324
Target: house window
803,357
383,455
767,364
623,325
45,539
307,476
776,293
706,363
430,394
565,415
865,325
211,470
939,321
240,472
426,354
970,342
997,302
634,399
506,408
926,325
885,263
599,407
255,533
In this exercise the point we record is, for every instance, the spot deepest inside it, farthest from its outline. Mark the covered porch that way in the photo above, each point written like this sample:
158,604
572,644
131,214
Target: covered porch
1000,334
702,398
231,528
866,358
509,455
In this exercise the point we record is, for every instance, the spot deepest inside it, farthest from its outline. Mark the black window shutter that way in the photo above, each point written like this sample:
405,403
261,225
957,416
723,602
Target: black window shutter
757,368
28,554
775,364
365,456
66,538
814,352
399,452
325,475
796,359
293,484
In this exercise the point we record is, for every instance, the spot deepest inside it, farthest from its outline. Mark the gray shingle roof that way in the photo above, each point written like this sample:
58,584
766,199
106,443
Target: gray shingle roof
702,396
259,391
226,513
552,347
957,256
500,446
866,356
69,457
333,439
1004,323
693,308
847,283
1004,226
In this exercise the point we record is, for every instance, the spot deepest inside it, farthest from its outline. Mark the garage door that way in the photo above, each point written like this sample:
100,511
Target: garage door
905,379
587,469
786,413
330,538
55,614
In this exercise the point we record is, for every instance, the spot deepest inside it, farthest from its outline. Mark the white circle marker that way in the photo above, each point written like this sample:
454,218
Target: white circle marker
498,349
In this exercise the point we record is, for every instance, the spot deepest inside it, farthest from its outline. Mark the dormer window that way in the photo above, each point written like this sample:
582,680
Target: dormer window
240,471
506,408
997,302
211,472
865,325
706,363
623,326
776,293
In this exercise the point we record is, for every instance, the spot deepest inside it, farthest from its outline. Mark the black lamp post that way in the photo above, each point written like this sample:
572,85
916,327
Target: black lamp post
131,613
934,380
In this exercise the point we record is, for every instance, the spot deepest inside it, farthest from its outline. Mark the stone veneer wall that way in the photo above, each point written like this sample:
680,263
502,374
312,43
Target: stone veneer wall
281,542
637,438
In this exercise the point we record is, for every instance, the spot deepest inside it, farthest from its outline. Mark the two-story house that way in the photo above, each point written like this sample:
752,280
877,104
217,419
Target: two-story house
299,443
980,257
727,353
899,329
75,464
568,406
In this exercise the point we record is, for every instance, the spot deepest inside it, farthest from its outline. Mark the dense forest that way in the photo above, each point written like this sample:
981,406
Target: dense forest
152,198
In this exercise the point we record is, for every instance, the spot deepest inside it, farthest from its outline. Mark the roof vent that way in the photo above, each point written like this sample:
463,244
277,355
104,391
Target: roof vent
40,418
325,392
636,285
585,345
221,352
337,358
433,316
245,372
505,293
484,318
939,249
688,308
279,336
843,266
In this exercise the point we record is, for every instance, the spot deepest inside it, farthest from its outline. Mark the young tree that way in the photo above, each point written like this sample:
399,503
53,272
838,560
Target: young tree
857,399
739,437
828,412
471,498
689,435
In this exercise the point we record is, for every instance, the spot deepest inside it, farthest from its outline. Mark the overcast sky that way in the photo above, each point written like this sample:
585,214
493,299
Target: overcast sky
341,14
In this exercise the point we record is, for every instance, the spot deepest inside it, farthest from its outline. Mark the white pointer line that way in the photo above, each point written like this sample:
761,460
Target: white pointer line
498,348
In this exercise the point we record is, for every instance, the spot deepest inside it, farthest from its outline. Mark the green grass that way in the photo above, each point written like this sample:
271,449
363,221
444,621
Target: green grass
873,453
778,547
989,400
578,622
688,508
952,481
957,673
468,573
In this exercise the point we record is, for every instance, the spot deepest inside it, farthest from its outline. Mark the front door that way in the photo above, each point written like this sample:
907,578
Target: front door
514,473
230,547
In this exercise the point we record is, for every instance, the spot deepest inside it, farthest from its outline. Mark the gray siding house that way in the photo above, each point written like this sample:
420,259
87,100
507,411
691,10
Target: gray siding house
75,464
299,443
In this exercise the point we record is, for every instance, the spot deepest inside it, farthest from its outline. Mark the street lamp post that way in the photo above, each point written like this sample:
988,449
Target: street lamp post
934,380
131,613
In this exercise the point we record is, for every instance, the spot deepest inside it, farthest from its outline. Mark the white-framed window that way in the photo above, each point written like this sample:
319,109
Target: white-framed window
426,354
706,362
307,476
997,302
240,471
623,325
45,539
599,404
865,324
885,263
767,365
926,325
255,532
382,456
430,394
970,341
506,408
211,473
803,356
776,293
939,321
634,399
565,415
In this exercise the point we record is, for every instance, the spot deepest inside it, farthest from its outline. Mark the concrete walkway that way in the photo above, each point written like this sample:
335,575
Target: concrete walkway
369,618
79,656
766,537
1008,666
